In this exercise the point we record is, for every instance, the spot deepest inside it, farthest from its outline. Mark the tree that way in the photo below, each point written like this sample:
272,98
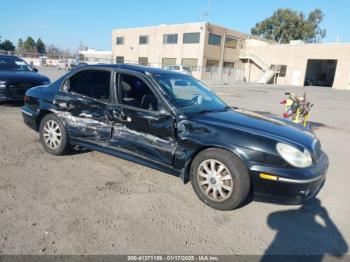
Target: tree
312,26
29,45
20,45
7,45
40,46
286,24
52,49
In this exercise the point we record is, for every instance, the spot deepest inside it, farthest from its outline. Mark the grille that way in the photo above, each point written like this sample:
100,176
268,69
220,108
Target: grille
17,90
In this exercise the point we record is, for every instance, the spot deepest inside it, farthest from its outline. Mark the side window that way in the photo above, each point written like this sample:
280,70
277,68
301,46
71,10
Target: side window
135,92
91,83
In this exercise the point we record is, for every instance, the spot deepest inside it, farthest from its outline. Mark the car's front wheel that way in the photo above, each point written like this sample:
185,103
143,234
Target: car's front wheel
220,179
53,135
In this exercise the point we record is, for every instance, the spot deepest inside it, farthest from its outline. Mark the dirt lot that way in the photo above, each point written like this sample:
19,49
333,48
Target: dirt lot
90,203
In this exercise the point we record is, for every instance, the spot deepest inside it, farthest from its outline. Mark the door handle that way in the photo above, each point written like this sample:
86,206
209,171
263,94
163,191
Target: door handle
85,115
121,117
125,119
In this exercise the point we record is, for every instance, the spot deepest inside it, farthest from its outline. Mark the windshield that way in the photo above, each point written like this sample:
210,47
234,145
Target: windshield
188,94
14,64
187,68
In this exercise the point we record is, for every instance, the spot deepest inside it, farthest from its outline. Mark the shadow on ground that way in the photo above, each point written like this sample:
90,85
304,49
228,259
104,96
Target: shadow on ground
308,230
12,103
77,150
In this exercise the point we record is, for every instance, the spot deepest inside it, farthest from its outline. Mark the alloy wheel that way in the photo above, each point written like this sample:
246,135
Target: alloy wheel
52,134
215,180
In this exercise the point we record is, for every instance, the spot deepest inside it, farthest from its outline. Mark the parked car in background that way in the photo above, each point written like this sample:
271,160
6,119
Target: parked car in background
62,64
16,77
180,68
172,122
76,64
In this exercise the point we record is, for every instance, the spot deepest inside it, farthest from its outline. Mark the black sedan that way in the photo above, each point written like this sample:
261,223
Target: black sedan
16,77
172,122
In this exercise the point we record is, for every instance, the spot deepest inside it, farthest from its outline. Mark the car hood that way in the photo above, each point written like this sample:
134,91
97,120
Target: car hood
254,123
19,76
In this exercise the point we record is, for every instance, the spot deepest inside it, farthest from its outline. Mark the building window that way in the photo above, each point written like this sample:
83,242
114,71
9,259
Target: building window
190,62
191,38
230,42
283,71
120,40
210,63
170,39
143,61
119,59
143,40
228,64
168,62
214,39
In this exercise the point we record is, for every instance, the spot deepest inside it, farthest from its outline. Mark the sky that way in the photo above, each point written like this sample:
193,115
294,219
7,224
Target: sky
67,23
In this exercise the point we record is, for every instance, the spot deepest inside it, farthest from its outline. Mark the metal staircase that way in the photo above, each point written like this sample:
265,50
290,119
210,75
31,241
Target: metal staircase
269,71
266,76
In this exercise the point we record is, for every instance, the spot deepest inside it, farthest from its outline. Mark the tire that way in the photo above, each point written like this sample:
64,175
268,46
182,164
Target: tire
225,189
53,135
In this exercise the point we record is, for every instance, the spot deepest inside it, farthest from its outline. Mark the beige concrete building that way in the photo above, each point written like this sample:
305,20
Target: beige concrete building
221,54
198,45
297,63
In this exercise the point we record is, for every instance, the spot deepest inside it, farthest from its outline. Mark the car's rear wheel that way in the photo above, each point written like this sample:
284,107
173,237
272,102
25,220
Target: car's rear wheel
53,135
220,179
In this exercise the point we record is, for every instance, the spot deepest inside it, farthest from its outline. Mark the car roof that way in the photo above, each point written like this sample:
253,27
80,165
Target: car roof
137,68
9,56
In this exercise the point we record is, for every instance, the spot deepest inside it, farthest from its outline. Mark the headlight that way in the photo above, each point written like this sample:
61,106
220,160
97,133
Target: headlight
294,156
46,83
2,83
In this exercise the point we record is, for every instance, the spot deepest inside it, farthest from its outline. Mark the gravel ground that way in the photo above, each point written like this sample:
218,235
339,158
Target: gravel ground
91,203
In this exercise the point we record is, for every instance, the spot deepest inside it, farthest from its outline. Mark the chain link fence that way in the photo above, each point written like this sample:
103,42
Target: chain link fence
210,74
222,74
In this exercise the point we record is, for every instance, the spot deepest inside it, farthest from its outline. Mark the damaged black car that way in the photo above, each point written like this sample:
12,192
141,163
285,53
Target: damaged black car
172,122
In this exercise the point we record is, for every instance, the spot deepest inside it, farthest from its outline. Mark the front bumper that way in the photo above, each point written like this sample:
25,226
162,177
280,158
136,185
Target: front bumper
4,95
12,94
294,186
